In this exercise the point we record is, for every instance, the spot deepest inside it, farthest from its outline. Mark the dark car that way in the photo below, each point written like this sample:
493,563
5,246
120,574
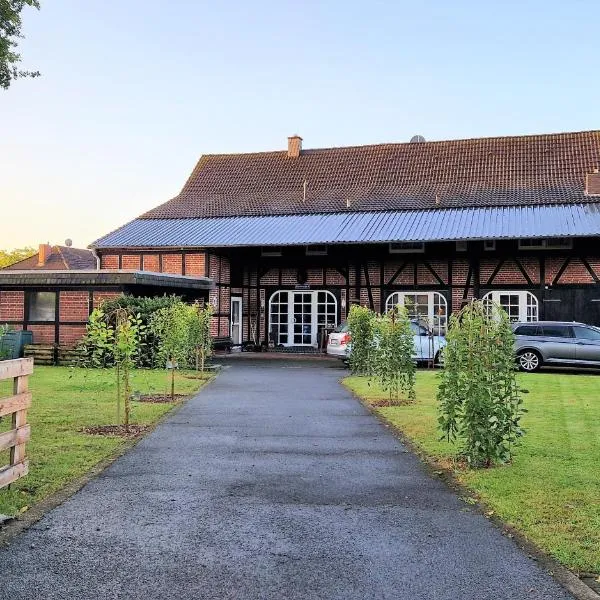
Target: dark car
556,343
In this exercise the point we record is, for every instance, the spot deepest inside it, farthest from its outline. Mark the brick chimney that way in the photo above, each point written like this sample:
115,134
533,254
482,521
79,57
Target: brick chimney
44,254
294,146
592,183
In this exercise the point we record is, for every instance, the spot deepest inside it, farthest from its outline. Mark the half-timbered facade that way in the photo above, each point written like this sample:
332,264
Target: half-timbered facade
292,239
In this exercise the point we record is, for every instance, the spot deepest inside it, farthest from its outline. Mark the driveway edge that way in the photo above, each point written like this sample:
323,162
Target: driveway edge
573,584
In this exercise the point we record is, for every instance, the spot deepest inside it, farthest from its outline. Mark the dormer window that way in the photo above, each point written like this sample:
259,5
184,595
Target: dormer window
316,250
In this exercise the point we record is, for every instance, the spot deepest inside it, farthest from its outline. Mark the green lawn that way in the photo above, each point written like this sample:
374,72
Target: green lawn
551,492
64,401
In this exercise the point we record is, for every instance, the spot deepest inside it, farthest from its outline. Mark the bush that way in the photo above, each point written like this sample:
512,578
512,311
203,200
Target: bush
392,359
361,323
479,400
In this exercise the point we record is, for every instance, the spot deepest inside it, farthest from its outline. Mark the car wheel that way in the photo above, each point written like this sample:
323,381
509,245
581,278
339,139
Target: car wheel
529,361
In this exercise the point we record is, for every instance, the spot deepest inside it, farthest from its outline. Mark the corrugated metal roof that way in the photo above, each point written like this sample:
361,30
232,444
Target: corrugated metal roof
509,222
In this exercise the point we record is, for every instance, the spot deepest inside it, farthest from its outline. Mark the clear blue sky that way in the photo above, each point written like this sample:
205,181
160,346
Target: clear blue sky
134,91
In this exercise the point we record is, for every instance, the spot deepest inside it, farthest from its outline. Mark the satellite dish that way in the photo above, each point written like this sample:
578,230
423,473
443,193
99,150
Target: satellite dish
68,242
417,139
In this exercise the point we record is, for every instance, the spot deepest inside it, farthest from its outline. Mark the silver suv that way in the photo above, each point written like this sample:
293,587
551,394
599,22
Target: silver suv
556,343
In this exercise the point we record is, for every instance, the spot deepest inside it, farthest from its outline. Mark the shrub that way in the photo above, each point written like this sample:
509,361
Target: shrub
479,400
392,359
200,341
361,322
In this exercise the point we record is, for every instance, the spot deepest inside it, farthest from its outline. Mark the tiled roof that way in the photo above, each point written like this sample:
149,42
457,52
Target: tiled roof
480,223
62,257
525,170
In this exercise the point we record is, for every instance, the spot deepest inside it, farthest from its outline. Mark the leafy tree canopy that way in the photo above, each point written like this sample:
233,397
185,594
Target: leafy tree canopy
10,32
8,257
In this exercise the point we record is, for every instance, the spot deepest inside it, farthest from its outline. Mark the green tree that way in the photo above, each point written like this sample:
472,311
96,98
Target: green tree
9,257
200,339
480,404
170,325
10,32
361,327
392,357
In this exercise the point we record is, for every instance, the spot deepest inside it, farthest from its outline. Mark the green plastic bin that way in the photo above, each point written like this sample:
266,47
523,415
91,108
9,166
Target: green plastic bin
13,342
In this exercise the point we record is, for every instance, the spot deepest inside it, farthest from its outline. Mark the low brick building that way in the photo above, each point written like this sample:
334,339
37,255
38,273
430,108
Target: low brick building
292,238
53,292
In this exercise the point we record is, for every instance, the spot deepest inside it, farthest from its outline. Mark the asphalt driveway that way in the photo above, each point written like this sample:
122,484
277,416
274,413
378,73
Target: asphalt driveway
273,483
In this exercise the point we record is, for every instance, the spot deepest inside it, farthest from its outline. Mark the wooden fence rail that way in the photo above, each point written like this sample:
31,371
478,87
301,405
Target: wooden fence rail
15,405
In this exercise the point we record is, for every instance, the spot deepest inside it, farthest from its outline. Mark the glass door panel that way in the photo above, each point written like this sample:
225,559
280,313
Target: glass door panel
302,318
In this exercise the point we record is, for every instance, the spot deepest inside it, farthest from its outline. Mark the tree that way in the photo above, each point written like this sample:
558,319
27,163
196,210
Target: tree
9,257
199,334
10,32
170,325
479,399
393,362
360,326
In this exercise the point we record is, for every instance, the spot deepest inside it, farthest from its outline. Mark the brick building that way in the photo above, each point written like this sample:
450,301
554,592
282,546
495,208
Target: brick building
53,292
292,238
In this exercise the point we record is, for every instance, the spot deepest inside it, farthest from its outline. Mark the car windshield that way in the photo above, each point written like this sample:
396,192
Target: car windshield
341,328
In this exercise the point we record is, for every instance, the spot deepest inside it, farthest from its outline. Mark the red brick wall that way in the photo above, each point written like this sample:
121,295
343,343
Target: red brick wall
172,263
109,261
131,262
69,335
42,334
151,262
12,306
195,264
100,297
74,306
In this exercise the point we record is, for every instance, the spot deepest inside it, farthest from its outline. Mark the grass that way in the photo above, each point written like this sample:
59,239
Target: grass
66,400
551,491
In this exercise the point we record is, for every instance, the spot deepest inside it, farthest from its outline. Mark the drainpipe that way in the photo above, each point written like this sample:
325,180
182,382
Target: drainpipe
95,254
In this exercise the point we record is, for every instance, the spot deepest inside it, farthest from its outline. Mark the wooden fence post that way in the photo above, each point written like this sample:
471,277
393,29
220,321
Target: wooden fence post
16,405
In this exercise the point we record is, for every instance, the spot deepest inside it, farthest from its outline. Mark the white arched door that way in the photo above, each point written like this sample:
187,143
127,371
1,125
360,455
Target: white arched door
295,317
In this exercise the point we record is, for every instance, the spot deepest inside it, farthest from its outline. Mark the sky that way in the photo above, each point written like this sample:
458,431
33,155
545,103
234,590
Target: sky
133,92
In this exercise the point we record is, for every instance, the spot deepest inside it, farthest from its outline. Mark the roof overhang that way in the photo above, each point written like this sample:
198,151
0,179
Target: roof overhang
97,278
449,224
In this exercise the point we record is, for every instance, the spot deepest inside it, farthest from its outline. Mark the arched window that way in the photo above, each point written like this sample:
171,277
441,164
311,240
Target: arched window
428,307
297,317
520,305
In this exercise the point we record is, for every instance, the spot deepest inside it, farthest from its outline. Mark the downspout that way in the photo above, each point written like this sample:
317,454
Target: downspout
95,255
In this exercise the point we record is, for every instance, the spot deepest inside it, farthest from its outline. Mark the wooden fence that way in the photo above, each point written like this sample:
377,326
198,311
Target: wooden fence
15,405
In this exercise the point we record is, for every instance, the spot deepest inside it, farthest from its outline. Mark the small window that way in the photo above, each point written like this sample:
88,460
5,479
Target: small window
270,251
530,330
489,245
587,333
42,306
545,243
403,247
557,331
316,250
461,246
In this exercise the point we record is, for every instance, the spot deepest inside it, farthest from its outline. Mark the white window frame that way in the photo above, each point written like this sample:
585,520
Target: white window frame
529,306
489,245
417,247
546,244
317,250
439,323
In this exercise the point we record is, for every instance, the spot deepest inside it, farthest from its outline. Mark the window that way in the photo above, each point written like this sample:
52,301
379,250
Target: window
545,243
530,330
428,307
403,247
270,251
42,306
587,333
316,250
520,305
489,245
461,246
563,331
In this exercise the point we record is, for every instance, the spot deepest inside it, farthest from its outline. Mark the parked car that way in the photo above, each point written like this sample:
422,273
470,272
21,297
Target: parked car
426,345
556,343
